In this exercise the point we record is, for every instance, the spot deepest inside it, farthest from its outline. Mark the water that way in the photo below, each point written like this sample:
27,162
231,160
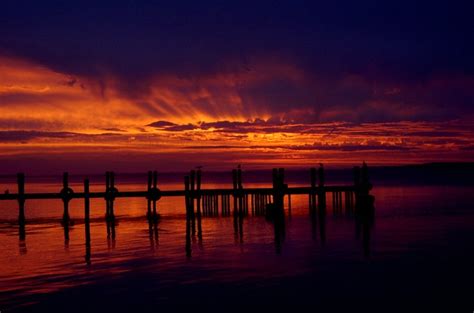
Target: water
419,256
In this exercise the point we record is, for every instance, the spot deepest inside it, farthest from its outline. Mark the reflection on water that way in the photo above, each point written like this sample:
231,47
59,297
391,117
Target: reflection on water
46,256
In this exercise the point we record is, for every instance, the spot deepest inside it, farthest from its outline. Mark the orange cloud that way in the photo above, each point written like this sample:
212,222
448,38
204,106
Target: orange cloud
224,118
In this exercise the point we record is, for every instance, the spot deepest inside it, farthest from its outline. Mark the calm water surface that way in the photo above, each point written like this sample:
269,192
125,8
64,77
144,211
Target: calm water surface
419,257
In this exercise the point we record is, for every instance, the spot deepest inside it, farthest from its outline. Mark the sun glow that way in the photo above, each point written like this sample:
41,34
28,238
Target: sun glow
211,119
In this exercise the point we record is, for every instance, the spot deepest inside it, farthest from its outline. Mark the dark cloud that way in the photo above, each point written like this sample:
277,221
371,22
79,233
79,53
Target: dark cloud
162,124
352,147
403,37
113,129
447,130
172,127
27,136
256,125
323,147
23,136
362,61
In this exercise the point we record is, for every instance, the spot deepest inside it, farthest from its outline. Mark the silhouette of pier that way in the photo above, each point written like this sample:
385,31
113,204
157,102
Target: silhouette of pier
205,202
237,202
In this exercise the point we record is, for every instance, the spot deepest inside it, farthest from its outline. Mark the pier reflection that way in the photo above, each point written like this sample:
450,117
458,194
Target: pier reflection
22,239
362,215
111,223
199,223
238,222
279,231
88,241
66,234
364,222
153,233
187,247
317,212
363,219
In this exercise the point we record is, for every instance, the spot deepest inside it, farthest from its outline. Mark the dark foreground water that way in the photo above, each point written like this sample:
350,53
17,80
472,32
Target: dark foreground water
419,257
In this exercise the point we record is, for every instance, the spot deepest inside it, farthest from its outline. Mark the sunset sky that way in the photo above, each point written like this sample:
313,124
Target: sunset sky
129,86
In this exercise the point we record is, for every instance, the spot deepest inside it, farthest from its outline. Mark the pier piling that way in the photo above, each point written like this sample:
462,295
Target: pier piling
21,198
259,200
321,191
66,195
312,194
87,220
110,194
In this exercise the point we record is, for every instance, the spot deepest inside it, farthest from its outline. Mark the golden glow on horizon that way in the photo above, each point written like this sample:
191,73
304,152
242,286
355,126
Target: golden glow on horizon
45,112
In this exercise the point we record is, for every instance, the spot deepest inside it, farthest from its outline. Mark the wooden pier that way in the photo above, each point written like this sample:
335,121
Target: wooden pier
205,202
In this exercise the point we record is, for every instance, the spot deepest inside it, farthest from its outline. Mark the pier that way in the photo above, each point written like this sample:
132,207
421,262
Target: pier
205,202
237,202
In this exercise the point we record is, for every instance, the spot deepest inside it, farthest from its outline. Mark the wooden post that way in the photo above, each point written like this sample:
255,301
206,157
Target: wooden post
216,205
112,196
110,193
191,201
186,195
87,220
107,190
278,192
198,194
155,186
149,184
357,185
281,188
322,192
198,203
188,216
223,203
339,200
86,201
312,197
65,195
240,187
234,186
21,198
211,204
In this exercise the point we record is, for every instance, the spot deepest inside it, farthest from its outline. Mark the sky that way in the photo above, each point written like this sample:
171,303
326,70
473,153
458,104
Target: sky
89,86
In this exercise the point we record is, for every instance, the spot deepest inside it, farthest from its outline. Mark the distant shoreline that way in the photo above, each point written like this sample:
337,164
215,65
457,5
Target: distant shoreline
328,166
449,173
